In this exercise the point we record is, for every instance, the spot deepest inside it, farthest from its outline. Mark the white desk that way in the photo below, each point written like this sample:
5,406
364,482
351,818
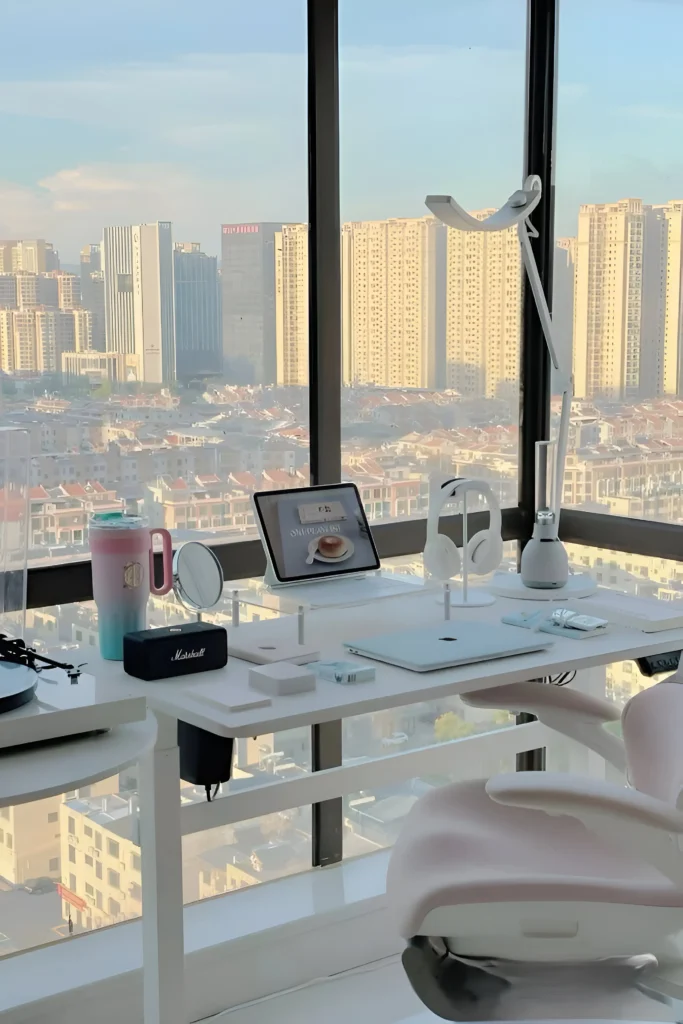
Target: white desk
185,699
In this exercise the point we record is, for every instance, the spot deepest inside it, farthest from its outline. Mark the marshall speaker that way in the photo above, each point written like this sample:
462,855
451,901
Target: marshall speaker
175,650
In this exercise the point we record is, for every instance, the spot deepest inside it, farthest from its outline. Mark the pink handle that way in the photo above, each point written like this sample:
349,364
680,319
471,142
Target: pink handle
167,561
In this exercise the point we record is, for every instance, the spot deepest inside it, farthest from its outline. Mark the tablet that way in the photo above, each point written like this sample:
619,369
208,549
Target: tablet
315,532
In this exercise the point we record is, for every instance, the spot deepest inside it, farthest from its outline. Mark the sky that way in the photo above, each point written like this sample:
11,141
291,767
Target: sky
142,110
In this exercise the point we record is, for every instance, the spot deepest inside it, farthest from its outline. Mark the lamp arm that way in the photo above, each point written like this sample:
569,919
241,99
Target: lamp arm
525,232
523,229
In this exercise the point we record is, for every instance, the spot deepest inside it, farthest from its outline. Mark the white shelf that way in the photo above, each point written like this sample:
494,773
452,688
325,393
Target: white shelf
51,769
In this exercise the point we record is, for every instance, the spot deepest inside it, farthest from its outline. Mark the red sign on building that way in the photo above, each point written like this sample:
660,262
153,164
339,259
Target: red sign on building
240,229
76,901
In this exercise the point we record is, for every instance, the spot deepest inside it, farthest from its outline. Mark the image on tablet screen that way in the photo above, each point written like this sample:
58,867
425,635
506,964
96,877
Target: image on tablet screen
316,532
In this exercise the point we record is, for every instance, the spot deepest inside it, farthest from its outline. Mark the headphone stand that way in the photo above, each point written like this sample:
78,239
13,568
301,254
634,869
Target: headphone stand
465,597
460,599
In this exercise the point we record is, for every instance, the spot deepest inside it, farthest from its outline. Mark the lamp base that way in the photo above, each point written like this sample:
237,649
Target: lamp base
510,584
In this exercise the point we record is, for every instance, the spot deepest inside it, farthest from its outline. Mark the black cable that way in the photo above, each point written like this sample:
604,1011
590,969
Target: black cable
208,792
563,679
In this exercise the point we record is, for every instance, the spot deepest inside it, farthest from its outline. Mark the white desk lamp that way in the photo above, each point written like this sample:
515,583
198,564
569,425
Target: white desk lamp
544,561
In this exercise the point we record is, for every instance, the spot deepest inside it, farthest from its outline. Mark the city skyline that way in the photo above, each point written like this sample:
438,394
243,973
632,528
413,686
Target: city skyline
422,306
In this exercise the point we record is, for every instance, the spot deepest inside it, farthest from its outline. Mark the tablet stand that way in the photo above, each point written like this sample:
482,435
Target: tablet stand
342,591
271,580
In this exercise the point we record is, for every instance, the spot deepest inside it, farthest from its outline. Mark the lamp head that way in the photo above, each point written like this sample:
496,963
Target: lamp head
518,208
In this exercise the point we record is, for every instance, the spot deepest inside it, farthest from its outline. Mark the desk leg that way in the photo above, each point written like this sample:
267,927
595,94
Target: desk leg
162,879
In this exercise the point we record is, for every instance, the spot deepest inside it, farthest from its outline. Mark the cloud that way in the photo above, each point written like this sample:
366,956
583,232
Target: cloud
202,139
73,205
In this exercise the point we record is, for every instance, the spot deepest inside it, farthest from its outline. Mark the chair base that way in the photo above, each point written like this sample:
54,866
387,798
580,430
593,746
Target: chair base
462,989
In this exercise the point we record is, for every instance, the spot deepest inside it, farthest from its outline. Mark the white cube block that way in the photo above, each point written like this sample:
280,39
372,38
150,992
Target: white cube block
281,679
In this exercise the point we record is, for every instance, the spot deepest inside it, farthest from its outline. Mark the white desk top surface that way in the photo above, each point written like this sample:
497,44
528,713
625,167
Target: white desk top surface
204,699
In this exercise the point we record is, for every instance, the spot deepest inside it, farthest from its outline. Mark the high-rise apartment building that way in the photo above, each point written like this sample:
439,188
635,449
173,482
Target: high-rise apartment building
564,268
6,248
483,311
117,266
95,305
7,339
608,299
199,348
54,331
655,260
82,321
35,290
248,289
291,304
33,340
91,259
24,354
92,292
35,256
392,322
664,292
68,288
137,264
8,289
153,301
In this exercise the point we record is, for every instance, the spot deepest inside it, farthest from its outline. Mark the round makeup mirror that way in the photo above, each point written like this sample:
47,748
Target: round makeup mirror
197,576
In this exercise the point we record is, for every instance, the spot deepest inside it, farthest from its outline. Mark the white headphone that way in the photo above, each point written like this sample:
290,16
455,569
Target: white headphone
484,551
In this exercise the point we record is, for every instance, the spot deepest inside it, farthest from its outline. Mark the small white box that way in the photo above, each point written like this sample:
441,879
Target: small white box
266,652
281,679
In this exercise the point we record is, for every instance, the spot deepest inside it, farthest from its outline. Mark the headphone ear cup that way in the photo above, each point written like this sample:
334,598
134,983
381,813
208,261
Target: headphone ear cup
485,552
441,558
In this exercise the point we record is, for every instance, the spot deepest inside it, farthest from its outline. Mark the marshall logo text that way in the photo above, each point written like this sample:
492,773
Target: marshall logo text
183,655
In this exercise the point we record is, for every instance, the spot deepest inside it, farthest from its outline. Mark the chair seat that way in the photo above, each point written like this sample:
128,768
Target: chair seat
459,847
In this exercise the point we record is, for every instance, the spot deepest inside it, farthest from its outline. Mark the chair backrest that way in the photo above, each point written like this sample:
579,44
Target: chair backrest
652,727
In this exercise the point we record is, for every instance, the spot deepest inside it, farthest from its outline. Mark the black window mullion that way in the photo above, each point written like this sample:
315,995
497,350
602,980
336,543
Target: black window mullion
324,338
539,152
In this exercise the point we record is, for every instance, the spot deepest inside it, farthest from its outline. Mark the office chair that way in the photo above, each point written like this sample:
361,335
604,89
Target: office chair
538,894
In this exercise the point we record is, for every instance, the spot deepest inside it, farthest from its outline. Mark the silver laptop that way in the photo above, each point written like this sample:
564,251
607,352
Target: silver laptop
448,645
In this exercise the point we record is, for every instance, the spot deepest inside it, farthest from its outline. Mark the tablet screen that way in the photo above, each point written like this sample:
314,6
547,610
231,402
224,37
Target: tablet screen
316,531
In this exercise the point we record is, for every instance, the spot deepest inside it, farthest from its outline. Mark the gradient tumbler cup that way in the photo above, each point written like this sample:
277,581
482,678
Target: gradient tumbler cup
123,575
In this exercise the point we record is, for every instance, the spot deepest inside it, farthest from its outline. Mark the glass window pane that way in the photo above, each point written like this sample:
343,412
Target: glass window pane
432,101
618,257
237,856
641,576
106,858
153,262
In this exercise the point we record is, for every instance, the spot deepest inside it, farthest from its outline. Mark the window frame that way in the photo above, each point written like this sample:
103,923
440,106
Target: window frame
71,582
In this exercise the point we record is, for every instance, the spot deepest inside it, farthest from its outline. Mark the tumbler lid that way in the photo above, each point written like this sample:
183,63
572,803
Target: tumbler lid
117,521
